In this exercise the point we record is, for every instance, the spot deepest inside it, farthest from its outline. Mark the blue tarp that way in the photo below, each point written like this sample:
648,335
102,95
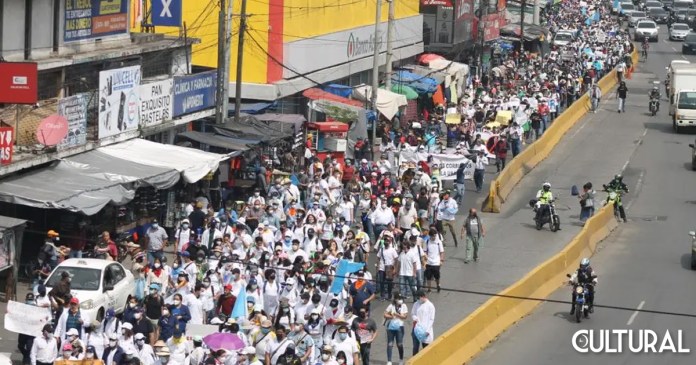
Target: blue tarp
421,84
255,108
340,90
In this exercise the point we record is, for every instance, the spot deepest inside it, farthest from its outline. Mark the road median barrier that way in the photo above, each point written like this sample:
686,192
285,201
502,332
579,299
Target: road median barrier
468,338
540,149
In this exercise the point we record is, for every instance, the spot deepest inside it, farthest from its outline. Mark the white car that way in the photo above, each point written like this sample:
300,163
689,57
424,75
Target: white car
635,17
646,29
98,284
562,38
678,31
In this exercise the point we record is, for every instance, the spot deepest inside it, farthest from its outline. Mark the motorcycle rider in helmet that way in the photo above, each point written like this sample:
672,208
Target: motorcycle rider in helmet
655,94
584,275
619,187
544,197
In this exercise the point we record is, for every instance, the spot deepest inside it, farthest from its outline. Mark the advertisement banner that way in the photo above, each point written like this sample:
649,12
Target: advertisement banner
446,3
166,13
89,19
156,102
18,82
119,102
464,21
193,93
6,145
449,163
26,319
492,27
74,110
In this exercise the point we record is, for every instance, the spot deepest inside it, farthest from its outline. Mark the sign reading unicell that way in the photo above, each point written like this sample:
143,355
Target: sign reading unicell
119,101
193,93
156,102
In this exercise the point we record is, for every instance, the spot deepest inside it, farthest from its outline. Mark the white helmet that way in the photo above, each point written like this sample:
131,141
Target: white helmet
547,185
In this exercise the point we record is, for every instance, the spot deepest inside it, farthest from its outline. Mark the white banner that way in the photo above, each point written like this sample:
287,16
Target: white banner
26,319
448,163
156,102
119,101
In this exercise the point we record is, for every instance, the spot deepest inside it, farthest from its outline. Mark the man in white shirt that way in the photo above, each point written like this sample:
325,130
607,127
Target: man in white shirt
182,235
445,215
407,270
423,315
407,214
44,350
381,217
211,234
195,305
435,253
276,348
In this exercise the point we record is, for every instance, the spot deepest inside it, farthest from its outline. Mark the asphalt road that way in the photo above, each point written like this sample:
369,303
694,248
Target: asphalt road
645,263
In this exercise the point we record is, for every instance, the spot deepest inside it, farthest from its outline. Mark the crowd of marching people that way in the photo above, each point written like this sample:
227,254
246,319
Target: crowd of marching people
297,274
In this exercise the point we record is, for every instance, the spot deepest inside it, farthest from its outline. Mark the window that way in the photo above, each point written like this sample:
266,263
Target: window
114,274
646,25
82,278
687,100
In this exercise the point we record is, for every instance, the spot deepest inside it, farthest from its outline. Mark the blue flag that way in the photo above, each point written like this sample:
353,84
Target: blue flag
596,15
344,268
240,305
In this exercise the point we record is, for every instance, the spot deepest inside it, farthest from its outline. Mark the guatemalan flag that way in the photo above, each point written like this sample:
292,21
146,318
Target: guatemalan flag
344,269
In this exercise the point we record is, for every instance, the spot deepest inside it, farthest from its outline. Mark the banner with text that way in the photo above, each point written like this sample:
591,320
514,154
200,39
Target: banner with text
156,102
193,93
448,163
119,101
89,19
74,110
26,319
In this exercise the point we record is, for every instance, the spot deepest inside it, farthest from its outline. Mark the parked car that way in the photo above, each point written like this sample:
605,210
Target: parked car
679,31
646,29
98,284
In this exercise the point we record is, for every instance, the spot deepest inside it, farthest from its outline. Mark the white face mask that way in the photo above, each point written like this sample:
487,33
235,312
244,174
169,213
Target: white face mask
131,305
66,354
177,302
157,266
138,315
89,355
165,312
341,361
325,357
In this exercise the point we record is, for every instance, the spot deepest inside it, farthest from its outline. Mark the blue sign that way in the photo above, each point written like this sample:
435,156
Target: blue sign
166,13
89,19
193,93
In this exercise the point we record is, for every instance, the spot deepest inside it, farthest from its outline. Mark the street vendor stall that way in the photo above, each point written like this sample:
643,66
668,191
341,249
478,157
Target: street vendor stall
328,139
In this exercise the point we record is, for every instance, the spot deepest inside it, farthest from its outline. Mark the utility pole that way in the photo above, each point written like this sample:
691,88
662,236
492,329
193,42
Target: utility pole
375,74
240,62
223,71
524,8
390,39
483,12
537,9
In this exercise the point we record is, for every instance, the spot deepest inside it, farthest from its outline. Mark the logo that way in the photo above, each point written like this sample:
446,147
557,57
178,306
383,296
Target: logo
445,3
20,80
362,47
636,341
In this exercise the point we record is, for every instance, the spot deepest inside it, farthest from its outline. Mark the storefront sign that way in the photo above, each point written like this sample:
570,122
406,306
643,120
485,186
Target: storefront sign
89,19
156,102
166,13
119,101
307,55
18,82
447,3
492,25
74,109
6,145
464,21
26,319
194,93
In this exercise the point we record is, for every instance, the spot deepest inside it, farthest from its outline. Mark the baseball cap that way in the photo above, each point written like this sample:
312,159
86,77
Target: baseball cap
74,300
52,233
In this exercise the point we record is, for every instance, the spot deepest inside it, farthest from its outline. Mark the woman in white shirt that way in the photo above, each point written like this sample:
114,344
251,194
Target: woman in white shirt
394,317
387,256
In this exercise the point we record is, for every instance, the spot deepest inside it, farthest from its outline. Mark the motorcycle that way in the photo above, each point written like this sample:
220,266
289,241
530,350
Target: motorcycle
653,106
548,216
126,247
614,198
581,304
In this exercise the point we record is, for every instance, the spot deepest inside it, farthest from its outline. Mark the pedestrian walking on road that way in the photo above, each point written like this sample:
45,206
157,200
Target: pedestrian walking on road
595,97
621,92
480,163
435,256
459,183
394,317
423,316
500,150
474,231
447,208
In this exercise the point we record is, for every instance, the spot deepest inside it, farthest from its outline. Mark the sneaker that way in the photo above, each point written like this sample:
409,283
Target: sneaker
389,363
438,288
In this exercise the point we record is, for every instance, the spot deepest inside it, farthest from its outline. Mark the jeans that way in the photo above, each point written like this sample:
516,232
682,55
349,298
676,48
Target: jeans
586,213
384,286
544,122
419,279
515,146
622,105
378,228
478,179
459,195
151,255
75,254
365,353
537,133
406,283
500,162
416,344
397,336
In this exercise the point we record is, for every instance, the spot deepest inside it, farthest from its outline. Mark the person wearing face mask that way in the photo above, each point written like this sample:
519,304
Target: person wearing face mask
225,303
78,346
188,274
166,324
275,349
326,357
304,345
126,340
158,275
381,217
44,349
66,355
156,240
144,351
179,348
153,310
290,357
211,234
423,316
365,329
473,229
271,291
394,317
73,318
408,215
362,293
180,312
143,325
183,235
247,356
346,345
113,354
261,337
25,342
256,198
95,339
91,357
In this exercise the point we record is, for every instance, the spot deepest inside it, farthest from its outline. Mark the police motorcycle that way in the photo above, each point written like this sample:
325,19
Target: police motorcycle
545,213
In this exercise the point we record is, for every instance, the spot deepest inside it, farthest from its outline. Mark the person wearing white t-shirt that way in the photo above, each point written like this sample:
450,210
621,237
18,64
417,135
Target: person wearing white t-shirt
395,314
407,270
348,344
419,254
435,253
386,265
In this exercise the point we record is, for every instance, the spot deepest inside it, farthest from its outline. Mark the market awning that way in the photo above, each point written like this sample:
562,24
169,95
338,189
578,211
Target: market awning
254,130
421,84
438,76
531,31
278,120
406,91
193,164
388,102
450,67
255,108
9,222
216,140
340,90
319,94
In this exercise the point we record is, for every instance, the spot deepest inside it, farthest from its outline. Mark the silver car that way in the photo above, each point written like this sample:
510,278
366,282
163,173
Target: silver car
635,17
646,29
562,38
678,31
